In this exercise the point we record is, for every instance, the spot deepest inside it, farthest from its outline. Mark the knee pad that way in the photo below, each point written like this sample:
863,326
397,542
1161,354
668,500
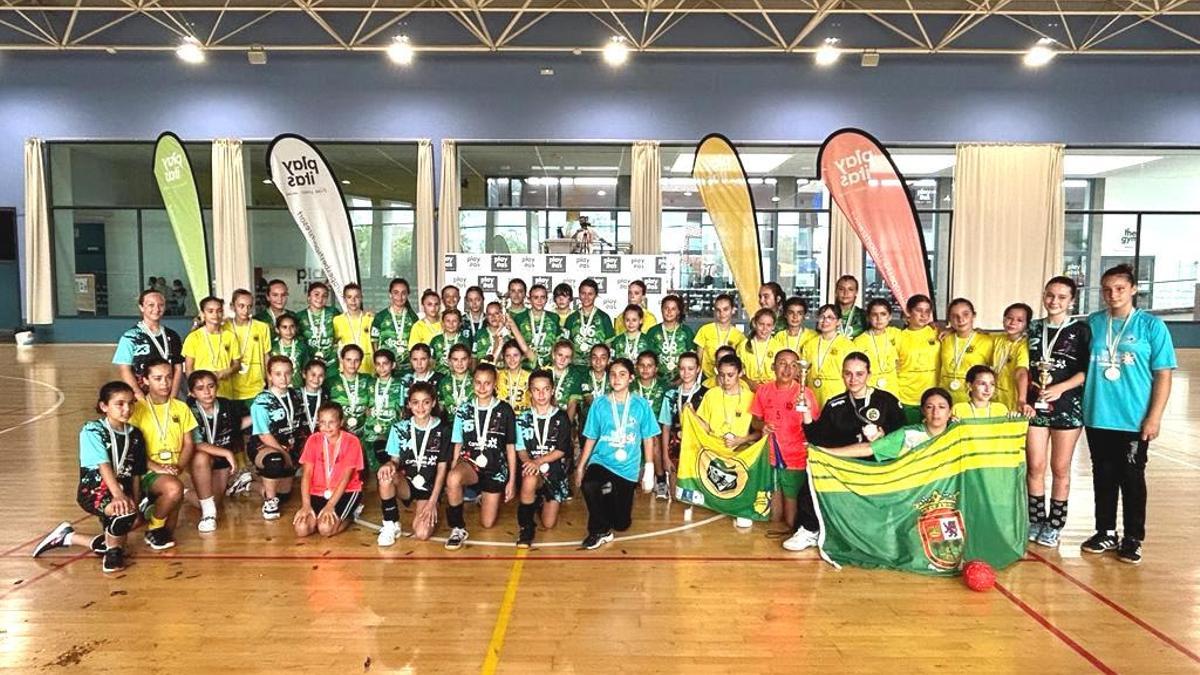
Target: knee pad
120,526
275,466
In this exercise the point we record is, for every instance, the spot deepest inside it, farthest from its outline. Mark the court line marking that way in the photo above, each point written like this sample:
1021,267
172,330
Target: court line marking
1119,609
564,544
37,538
492,659
46,413
452,557
25,583
1169,458
1054,630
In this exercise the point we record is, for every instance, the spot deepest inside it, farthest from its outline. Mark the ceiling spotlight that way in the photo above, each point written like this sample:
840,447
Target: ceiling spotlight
257,56
828,53
616,52
870,59
775,198
546,72
266,181
601,193
345,182
401,50
110,51
1040,53
190,51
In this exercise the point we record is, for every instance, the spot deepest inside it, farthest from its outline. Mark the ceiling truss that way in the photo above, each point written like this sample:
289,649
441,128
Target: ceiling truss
917,27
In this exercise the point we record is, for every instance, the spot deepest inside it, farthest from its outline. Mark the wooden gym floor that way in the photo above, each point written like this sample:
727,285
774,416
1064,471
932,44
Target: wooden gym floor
675,597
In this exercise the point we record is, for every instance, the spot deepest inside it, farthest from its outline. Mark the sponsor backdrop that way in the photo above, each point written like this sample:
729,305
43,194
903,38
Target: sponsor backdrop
612,273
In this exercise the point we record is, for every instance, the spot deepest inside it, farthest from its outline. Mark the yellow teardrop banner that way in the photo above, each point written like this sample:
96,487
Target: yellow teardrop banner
719,175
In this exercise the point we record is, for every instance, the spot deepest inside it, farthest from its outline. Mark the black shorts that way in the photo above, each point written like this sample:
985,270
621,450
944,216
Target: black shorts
345,504
220,463
93,495
421,494
492,482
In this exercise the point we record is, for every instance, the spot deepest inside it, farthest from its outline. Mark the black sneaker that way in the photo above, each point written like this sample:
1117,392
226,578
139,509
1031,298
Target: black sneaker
114,560
97,545
1130,551
56,539
160,539
595,541
525,538
1101,542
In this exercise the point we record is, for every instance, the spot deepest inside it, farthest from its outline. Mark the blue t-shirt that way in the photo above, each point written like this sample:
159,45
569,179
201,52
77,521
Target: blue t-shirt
602,428
1145,347
96,448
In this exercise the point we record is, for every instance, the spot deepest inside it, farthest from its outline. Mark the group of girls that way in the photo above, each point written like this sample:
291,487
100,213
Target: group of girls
520,399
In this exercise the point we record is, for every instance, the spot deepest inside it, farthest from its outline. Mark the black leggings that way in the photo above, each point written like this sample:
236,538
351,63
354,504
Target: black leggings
1119,470
609,500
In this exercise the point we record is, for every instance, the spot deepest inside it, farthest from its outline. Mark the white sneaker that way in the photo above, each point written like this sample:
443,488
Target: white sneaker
743,523
388,533
801,540
209,524
240,484
458,536
270,509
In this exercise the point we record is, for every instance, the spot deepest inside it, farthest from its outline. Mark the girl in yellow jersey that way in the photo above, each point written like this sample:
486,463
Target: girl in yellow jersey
793,334
824,355
725,411
961,349
512,383
430,325
758,353
1010,357
981,385
210,348
917,356
254,343
354,327
720,332
879,344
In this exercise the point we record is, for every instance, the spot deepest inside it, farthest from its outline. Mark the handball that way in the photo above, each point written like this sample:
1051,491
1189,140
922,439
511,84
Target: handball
979,576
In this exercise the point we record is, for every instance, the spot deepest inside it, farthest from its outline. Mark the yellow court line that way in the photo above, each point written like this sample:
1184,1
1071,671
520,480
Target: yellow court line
510,597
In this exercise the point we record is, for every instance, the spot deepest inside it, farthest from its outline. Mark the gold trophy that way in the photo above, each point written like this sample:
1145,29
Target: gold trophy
1044,380
802,401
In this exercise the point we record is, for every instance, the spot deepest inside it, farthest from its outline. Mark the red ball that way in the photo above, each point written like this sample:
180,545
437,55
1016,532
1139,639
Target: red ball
979,576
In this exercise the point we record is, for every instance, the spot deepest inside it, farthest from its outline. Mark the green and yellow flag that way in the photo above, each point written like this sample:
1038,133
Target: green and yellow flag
173,171
734,482
957,497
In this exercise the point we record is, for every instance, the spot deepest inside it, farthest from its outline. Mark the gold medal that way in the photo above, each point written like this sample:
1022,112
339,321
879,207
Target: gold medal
817,382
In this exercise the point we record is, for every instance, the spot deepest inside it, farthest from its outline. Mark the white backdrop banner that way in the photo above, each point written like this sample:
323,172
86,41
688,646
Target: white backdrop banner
314,197
612,273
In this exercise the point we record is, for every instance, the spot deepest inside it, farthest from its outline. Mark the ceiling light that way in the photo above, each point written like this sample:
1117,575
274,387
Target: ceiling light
1091,165
755,162
190,51
921,165
687,193
547,72
775,198
601,193
1040,53
257,56
401,51
828,53
870,59
110,51
345,182
266,181
616,52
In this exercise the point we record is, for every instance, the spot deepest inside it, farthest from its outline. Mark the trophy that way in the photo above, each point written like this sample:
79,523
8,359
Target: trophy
802,400
1044,380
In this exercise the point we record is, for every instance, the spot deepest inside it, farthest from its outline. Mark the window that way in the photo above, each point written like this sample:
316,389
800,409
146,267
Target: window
1137,206
516,197
109,228
379,181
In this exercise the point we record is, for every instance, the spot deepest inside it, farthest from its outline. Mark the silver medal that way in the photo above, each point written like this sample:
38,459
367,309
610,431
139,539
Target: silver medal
621,454
352,422
1112,373
817,382
544,468
328,494
481,461
379,428
882,382
418,482
955,385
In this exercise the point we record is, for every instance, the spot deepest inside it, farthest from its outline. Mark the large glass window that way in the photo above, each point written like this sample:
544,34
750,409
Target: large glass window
1136,206
110,230
521,198
379,181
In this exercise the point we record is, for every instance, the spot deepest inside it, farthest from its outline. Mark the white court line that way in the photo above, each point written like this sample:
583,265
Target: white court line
1174,459
567,544
49,411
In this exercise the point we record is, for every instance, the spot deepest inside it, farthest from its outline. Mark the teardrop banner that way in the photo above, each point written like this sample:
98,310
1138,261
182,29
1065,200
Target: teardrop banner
314,197
177,185
721,179
866,185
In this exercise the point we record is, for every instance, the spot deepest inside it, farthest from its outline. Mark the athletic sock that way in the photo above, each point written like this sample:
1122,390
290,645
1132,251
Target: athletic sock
454,516
525,515
390,509
1037,509
208,507
155,523
1058,514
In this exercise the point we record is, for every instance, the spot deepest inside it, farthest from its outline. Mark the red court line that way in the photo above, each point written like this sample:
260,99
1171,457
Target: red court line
37,538
1119,609
498,558
1066,639
43,574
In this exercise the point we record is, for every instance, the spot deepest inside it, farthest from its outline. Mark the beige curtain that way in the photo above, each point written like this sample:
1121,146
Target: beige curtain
1008,225
845,252
39,305
645,199
428,264
449,196
231,233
